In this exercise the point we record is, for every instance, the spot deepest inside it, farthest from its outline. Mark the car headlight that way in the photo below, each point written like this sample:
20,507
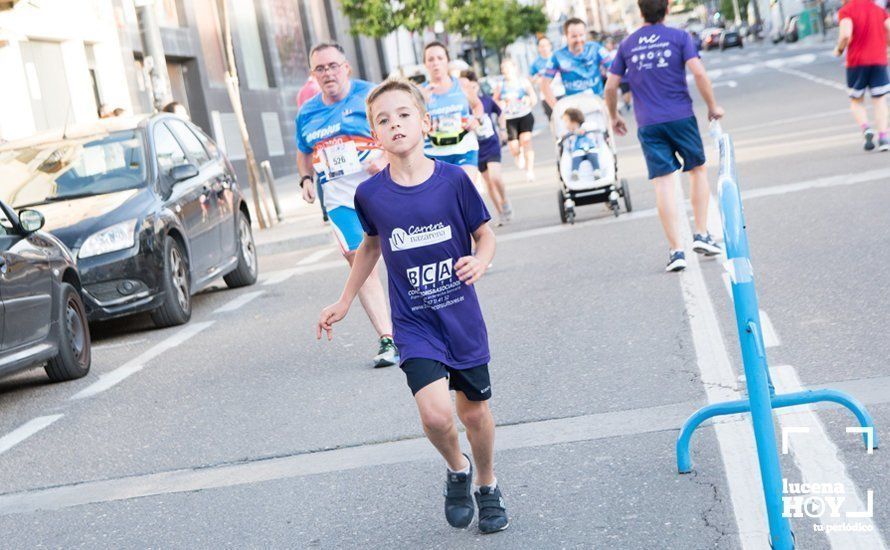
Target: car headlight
119,236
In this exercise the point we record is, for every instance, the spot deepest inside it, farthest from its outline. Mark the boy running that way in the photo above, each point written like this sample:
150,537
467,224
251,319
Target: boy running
654,60
430,215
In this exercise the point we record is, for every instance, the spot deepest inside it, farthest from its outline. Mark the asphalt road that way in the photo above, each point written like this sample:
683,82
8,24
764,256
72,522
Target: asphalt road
241,430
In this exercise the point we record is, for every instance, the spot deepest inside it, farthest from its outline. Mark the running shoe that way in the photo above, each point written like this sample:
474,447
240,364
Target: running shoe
507,212
677,261
869,139
492,510
530,176
388,355
705,244
459,508
883,144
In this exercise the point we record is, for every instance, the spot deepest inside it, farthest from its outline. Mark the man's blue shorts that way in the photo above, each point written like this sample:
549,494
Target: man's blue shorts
470,158
867,77
663,142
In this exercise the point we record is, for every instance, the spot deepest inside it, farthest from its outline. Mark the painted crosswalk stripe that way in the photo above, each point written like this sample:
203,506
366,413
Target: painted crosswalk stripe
239,302
316,256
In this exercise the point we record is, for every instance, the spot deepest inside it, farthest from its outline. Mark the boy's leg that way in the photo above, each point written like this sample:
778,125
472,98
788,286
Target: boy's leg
593,159
576,163
437,416
477,418
497,180
857,107
701,196
525,142
493,191
880,106
667,208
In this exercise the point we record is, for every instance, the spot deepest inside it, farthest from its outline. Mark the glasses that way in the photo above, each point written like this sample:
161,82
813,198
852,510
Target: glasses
332,67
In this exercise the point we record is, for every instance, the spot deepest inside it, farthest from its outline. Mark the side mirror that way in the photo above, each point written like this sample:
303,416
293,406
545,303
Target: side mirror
31,220
183,172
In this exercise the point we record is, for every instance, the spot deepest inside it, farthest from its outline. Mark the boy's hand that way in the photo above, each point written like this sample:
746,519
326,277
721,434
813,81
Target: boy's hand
330,315
716,112
619,126
470,269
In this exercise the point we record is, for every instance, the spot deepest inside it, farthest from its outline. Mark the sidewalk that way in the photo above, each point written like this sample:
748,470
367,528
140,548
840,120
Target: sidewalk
301,226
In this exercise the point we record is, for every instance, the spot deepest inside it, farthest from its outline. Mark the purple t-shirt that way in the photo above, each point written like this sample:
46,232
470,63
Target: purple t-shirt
423,231
489,141
653,61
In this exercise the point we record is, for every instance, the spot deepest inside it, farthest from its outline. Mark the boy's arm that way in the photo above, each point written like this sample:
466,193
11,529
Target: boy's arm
471,268
703,83
365,259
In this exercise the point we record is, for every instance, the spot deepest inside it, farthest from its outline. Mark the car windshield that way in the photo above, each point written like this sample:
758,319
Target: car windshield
74,169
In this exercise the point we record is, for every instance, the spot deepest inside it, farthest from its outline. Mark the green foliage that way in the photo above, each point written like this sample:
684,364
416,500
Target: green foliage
497,22
378,18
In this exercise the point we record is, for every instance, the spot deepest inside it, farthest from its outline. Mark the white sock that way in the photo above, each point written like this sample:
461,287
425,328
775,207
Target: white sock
491,487
464,471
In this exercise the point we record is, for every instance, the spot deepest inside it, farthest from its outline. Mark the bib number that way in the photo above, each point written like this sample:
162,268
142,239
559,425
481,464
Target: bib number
341,159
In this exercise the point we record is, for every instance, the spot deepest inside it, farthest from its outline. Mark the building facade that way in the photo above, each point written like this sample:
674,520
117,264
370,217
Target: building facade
63,59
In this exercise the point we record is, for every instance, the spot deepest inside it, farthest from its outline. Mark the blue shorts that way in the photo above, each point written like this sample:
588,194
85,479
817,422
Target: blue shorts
470,158
867,77
347,228
663,142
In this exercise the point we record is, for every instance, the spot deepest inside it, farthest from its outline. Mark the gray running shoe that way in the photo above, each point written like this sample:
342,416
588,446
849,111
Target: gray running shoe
883,144
387,355
492,510
459,508
869,139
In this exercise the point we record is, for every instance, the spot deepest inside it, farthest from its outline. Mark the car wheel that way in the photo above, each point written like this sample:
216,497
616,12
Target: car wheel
248,267
73,360
176,309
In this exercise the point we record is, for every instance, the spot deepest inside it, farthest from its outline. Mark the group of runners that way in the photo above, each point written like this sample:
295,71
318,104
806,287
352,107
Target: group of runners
398,164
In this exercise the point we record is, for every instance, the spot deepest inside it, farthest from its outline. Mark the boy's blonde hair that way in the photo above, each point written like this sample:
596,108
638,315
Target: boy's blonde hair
395,85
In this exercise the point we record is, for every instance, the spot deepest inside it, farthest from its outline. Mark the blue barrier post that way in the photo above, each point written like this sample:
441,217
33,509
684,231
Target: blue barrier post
761,394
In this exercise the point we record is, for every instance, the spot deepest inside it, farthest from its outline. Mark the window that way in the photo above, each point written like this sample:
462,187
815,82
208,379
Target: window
167,149
209,146
192,146
249,44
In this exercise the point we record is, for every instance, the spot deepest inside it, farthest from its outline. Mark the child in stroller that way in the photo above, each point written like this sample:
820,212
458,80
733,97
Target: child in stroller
583,143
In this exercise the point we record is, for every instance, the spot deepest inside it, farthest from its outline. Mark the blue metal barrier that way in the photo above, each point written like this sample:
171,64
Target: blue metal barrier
761,394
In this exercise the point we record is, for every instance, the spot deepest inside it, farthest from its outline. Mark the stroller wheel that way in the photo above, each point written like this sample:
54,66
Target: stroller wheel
563,215
625,192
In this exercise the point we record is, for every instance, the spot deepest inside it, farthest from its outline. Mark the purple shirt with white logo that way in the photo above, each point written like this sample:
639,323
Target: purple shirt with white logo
424,230
653,60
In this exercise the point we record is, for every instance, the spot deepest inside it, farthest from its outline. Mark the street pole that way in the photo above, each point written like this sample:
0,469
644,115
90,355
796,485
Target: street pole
153,57
253,173
738,12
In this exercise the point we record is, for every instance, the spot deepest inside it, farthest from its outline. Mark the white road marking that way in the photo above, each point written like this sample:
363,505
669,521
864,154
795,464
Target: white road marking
113,345
813,78
817,458
280,276
26,430
238,302
136,364
316,256
831,181
785,121
770,336
735,439
727,83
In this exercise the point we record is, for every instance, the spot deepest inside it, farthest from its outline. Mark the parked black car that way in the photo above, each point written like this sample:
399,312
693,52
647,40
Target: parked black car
730,39
149,206
42,316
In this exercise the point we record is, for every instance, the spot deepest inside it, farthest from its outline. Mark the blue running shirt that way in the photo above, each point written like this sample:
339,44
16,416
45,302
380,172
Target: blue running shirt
338,137
450,113
424,230
579,72
512,94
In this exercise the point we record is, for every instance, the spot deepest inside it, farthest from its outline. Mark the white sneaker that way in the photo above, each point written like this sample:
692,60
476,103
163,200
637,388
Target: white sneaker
530,176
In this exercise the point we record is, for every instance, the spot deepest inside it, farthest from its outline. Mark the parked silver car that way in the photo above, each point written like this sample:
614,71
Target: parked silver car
42,316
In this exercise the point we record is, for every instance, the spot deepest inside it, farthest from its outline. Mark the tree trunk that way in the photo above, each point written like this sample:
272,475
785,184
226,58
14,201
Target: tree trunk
253,173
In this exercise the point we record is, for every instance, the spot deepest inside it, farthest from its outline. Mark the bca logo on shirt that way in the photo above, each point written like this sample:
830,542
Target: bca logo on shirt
431,273
649,39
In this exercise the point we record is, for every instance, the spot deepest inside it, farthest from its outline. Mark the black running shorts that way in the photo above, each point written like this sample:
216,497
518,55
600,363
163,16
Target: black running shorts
473,382
521,125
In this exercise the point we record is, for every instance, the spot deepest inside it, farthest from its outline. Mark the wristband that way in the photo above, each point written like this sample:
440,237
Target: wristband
303,180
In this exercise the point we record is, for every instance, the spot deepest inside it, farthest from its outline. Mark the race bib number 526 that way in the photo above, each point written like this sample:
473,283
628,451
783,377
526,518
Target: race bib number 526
341,159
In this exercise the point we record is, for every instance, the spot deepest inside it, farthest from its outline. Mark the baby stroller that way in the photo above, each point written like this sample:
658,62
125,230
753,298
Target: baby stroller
587,186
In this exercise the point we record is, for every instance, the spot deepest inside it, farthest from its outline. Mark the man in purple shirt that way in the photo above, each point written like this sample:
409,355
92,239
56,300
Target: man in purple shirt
654,60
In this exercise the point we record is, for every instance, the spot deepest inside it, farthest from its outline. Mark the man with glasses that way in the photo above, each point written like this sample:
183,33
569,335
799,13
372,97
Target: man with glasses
578,63
335,147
